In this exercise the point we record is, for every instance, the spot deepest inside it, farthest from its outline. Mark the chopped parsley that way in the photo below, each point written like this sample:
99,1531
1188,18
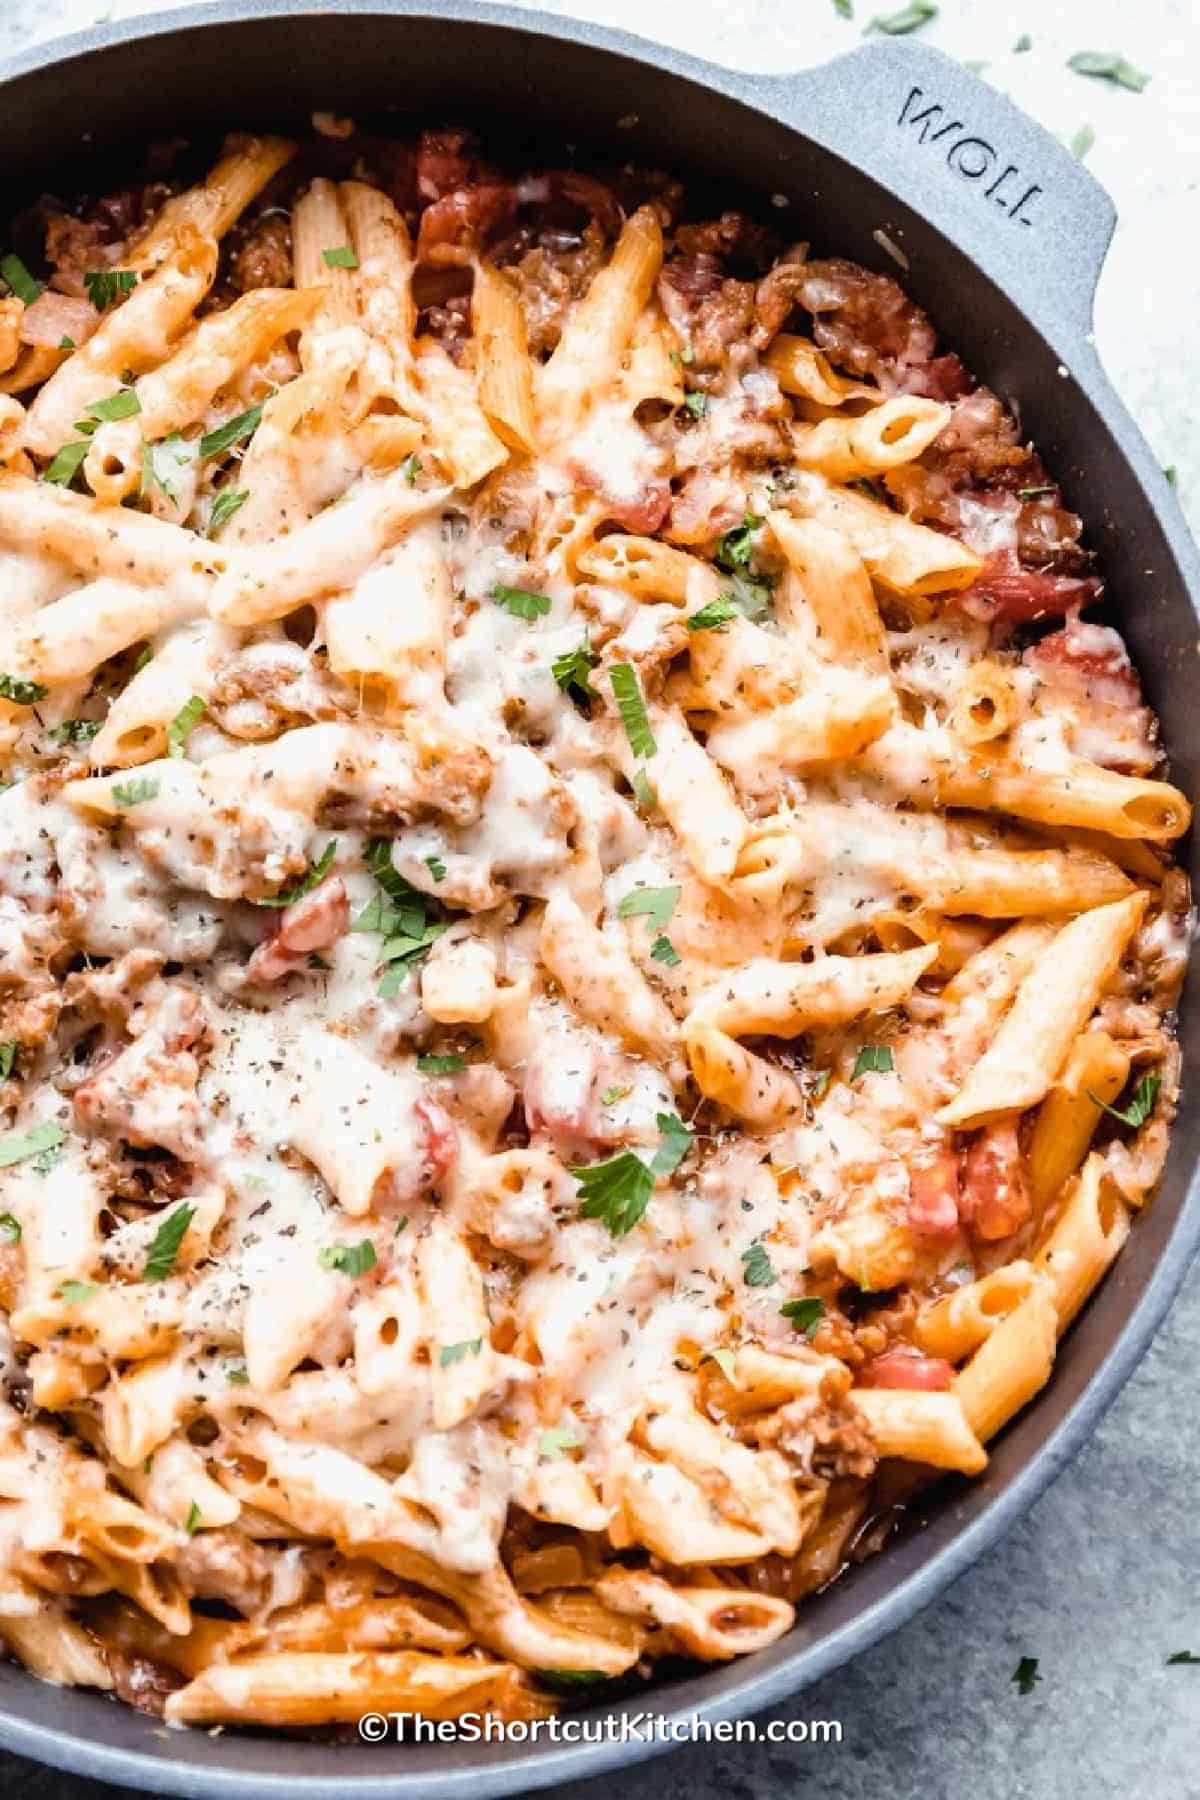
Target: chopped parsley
909,18
237,1377
618,1189
1082,142
1026,1674
348,1259
410,468
184,723
315,872
164,462
757,1267
215,443
1031,493
132,793
557,1441
805,1315
453,1353
1184,1656
340,257
656,904
8,1057
696,403
873,1059
819,1083
19,280
643,790
106,286
400,914
723,1359
628,695
164,1248
66,464
436,867
717,613
124,404
1023,43
441,1065
664,951
611,1095
19,1146
1141,1102
571,671
75,731
1107,65
571,1677
74,1292
751,592
228,501
192,1523
10,1228
20,692
844,8
520,602
66,343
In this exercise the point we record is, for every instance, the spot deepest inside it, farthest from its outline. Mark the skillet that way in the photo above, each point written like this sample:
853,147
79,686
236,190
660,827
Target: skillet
892,147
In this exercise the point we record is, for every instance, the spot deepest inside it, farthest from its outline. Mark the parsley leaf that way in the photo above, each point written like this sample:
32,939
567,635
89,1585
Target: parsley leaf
873,1059
557,1441
19,1146
67,464
628,695
226,502
757,1268
8,1057
10,1228
316,872
1183,1656
618,1189
184,723
192,1523
571,671
736,548
520,602
348,1259
410,468
1141,1103
1026,1674
909,18
21,693
340,257
237,1377
844,8
643,790
611,1095
436,867
18,278
106,286
73,1292
696,403
723,1359
657,904
805,1315
441,1065
75,731
164,462
1107,65
1031,493
1082,142
571,1677
160,1258
452,1353
664,951
1023,43
717,613
124,404
132,793
214,443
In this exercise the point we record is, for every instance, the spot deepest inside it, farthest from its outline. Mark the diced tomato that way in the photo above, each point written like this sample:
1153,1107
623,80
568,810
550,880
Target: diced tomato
1007,593
996,1198
314,922
903,1366
933,1189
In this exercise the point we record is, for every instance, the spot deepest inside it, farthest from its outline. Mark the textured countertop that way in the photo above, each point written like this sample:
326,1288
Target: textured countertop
1099,1582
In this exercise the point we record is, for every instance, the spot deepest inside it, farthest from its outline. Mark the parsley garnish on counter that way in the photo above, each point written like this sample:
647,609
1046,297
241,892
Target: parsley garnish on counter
1026,1674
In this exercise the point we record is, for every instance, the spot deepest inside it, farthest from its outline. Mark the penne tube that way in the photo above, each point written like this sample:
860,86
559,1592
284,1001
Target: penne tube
911,560
836,590
296,1687
921,1427
1095,1072
800,368
894,432
1052,1005
714,1623
502,352
987,704
1086,1238
1011,1366
958,1323
245,167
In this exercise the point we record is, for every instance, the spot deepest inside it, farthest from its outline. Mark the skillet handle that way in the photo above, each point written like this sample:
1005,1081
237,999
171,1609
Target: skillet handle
965,158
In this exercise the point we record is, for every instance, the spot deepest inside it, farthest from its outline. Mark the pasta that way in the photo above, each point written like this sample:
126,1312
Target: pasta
587,955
